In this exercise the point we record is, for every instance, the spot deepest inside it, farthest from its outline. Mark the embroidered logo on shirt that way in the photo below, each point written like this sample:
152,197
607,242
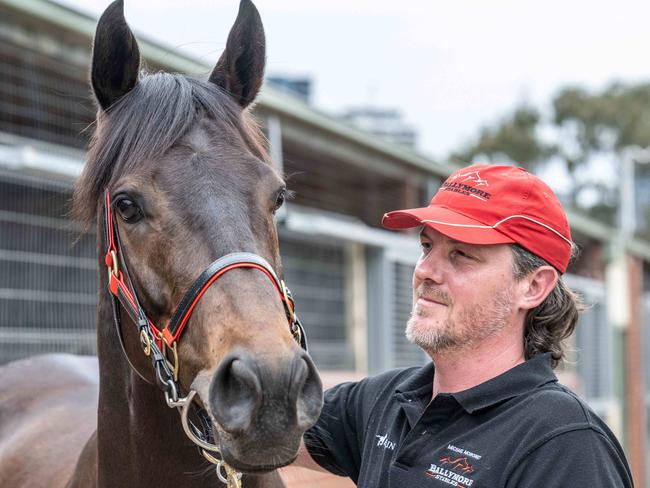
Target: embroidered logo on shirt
385,442
464,452
454,470
460,463
449,477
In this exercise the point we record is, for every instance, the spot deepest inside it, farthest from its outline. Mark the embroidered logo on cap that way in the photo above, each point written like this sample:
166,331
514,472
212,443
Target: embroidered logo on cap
467,184
473,176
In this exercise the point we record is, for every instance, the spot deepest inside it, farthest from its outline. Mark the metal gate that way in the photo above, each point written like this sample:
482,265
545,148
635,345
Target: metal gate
315,272
47,271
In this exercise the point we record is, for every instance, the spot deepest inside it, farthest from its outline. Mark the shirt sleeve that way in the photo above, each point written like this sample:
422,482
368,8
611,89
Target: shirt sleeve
580,457
336,441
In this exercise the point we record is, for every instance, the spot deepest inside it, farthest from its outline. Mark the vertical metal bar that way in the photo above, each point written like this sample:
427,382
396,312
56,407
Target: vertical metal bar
356,308
380,310
627,214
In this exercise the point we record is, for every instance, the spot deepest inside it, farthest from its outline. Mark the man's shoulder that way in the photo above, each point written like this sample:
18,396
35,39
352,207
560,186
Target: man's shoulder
558,400
559,423
554,409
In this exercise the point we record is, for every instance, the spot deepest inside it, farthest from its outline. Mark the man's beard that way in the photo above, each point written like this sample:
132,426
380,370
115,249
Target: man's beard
471,326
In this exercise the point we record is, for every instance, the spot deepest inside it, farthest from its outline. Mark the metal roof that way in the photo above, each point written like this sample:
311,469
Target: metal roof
269,99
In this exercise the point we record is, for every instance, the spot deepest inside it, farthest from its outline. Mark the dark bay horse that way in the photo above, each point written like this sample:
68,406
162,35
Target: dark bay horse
179,180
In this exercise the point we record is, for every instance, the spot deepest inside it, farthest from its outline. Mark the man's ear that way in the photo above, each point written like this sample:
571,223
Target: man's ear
536,286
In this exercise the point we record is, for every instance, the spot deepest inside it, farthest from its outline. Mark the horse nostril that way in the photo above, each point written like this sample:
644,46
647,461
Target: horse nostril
310,395
235,395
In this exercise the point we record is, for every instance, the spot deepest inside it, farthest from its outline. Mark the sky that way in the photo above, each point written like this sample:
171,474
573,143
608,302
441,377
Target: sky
451,67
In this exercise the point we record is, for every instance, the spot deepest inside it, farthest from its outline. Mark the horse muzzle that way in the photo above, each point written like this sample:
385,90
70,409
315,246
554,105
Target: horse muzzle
261,410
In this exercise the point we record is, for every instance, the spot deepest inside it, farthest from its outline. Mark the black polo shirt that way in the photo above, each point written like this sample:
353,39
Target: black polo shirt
520,429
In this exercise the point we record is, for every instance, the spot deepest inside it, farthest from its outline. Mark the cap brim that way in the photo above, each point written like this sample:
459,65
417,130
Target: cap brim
449,223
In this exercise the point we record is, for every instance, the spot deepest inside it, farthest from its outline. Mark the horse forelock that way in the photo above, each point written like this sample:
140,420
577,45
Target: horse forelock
147,122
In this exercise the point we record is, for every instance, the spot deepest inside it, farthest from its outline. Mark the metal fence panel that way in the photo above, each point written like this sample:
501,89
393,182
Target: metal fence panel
405,353
315,272
594,356
47,282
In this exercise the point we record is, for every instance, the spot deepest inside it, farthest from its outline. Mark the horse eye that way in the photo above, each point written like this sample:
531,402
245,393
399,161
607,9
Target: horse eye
279,200
128,210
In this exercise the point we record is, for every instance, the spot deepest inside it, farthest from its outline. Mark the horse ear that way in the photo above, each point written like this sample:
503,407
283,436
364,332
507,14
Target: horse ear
240,69
116,57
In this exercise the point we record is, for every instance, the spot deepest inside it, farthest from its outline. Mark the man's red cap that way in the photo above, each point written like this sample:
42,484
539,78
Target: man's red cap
490,204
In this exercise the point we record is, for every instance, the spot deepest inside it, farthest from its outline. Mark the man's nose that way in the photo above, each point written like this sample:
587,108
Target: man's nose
430,267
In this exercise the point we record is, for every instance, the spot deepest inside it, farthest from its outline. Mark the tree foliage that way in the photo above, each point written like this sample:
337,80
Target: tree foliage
512,139
584,125
611,120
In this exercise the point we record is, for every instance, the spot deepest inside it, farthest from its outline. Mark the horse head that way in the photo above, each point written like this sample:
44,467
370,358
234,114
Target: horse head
189,181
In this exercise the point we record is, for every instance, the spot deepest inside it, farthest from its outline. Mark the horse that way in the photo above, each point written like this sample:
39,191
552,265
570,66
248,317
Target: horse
180,184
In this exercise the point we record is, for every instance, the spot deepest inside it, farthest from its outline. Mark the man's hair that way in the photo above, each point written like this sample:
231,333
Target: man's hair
552,321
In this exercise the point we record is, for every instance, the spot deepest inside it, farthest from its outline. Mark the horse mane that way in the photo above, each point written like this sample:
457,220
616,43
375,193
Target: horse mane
147,122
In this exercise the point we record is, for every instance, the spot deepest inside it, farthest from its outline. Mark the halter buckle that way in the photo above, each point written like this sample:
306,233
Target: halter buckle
173,365
297,333
145,342
288,302
115,266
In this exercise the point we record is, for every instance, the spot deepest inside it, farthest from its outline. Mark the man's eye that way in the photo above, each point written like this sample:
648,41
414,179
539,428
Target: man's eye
461,254
425,246
128,210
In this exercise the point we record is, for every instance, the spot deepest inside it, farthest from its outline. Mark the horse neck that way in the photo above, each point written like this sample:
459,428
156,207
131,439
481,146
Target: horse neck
140,441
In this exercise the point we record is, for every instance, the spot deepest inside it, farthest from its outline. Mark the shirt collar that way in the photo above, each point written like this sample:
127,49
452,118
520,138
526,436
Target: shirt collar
522,378
414,392
418,380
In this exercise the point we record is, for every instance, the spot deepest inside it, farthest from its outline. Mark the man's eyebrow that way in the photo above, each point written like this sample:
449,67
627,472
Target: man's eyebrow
451,241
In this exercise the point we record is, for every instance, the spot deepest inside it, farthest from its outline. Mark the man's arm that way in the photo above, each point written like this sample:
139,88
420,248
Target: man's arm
304,459
334,443
581,457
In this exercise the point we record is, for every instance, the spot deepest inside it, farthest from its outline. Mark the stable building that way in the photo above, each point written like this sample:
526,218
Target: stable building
351,278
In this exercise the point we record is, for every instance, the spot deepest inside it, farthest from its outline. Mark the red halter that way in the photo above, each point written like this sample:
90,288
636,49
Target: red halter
154,339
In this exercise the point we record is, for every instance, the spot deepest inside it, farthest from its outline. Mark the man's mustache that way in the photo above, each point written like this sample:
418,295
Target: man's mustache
433,293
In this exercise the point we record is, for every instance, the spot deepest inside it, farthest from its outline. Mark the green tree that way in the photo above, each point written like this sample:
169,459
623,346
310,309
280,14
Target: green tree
584,125
611,120
601,123
513,139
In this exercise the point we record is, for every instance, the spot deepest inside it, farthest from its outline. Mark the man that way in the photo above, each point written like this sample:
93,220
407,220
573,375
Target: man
491,310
